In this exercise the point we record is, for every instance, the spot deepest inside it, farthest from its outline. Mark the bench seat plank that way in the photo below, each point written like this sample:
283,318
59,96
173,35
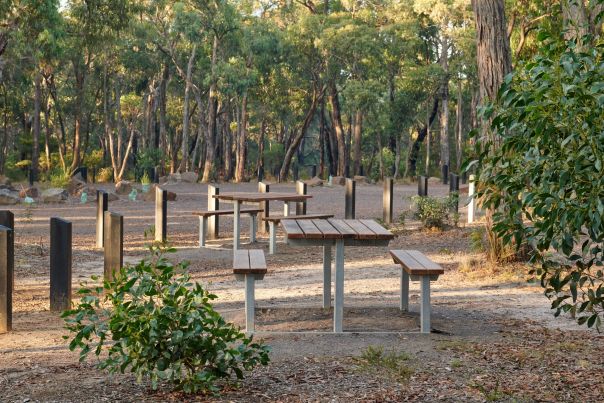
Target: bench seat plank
249,262
244,210
276,219
257,260
416,263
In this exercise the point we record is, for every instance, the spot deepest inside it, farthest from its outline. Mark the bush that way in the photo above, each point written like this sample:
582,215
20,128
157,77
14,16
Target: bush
154,322
59,179
104,175
434,212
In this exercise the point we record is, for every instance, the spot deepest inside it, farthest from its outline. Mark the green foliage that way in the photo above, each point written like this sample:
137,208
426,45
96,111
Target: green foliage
145,180
153,321
104,175
544,174
94,158
433,212
59,178
391,364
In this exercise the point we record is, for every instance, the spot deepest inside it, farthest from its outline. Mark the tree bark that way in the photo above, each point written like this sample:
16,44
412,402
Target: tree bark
459,121
444,114
338,128
212,109
421,135
358,131
241,141
184,149
35,154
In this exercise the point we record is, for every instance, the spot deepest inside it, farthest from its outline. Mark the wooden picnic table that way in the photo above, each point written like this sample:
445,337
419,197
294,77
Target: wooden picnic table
340,233
256,197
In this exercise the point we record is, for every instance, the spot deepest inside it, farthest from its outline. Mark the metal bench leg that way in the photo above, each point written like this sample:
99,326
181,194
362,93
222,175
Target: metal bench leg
249,303
404,291
272,246
338,312
327,276
252,228
203,229
236,226
425,304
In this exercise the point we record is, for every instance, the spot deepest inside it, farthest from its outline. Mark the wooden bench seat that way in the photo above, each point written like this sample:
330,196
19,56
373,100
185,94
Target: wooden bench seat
249,266
417,267
204,215
273,221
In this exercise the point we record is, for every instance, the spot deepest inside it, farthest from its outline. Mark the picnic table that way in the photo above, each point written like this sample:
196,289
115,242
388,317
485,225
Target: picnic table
341,233
256,197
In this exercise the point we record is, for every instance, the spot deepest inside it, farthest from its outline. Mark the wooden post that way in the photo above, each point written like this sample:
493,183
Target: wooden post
161,214
60,264
7,265
349,210
113,243
313,171
454,188
472,203
213,205
263,187
7,219
422,186
445,174
388,199
102,205
301,189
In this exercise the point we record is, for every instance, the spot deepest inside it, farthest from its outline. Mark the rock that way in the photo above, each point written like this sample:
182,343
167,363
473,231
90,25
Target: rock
167,179
338,180
90,192
8,187
75,185
314,182
32,192
112,196
7,197
123,188
150,195
54,195
78,176
362,180
189,177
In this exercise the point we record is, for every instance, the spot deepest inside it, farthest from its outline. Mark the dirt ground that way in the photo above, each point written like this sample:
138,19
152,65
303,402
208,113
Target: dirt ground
494,338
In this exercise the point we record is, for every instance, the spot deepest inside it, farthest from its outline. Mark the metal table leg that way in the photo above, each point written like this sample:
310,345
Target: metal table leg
338,312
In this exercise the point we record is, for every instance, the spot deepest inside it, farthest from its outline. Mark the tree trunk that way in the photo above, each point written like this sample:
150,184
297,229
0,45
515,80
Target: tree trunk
184,149
421,135
80,81
444,113
459,121
358,131
338,128
212,109
35,153
241,141
260,162
47,132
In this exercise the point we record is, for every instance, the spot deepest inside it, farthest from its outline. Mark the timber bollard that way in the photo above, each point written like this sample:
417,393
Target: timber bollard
60,264
102,205
113,243
422,186
161,214
213,205
454,188
301,189
7,278
472,203
388,199
445,174
263,187
349,208
7,219
313,171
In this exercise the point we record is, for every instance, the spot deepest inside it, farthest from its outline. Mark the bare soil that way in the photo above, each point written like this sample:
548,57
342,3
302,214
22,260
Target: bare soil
494,339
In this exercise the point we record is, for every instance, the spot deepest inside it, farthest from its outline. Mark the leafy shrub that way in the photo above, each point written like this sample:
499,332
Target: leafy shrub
94,158
433,212
154,322
543,175
104,175
59,179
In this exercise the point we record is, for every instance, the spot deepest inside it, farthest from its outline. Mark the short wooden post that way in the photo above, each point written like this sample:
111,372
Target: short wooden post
93,179
102,205
313,171
263,187
349,210
156,174
113,243
260,173
7,265
213,205
422,186
301,189
161,214
60,264
387,200
454,188
7,219
445,174
472,203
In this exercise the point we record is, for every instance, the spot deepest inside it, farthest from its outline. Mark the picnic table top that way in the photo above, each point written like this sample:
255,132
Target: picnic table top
261,197
335,229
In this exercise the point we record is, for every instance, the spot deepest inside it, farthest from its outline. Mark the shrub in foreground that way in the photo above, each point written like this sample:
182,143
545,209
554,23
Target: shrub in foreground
151,320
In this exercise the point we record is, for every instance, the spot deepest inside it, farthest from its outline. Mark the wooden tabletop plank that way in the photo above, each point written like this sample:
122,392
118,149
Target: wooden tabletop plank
310,230
256,197
362,231
292,229
297,217
243,210
241,260
329,232
344,229
381,232
257,260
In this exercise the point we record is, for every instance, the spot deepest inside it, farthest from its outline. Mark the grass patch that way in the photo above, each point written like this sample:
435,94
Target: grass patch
392,364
